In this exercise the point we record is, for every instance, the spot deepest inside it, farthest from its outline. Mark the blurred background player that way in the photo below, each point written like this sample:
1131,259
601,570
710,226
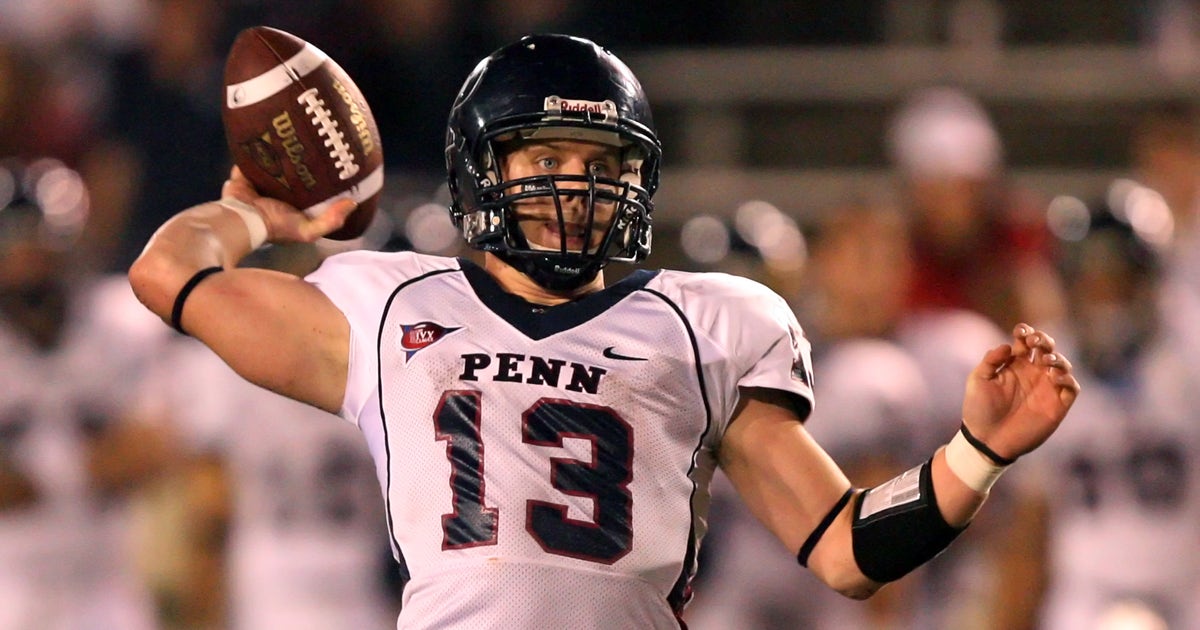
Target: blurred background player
71,455
979,241
980,252
1164,170
1121,491
282,505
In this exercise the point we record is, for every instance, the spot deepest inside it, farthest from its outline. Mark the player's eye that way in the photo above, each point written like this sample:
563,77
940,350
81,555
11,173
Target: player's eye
548,163
599,168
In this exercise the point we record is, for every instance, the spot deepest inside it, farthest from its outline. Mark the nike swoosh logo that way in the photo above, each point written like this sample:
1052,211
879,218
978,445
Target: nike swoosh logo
610,354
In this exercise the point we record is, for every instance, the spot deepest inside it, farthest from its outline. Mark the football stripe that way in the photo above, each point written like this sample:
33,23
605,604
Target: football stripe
275,80
359,192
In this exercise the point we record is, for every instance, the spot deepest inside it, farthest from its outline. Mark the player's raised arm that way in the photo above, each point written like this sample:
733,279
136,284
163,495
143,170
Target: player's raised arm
274,329
856,540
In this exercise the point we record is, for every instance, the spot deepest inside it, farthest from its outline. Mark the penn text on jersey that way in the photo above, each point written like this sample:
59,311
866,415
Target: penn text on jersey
517,368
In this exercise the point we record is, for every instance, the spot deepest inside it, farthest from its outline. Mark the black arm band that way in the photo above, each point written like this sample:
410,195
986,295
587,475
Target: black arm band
177,311
898,526
815,536
984,448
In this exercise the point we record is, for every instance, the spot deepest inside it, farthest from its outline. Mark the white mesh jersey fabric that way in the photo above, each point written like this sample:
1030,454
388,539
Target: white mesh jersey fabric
556,479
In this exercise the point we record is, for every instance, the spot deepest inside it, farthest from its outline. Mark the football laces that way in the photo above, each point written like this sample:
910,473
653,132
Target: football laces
327,127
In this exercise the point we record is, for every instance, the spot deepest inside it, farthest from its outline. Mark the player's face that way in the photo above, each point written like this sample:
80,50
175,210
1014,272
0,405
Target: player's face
538,216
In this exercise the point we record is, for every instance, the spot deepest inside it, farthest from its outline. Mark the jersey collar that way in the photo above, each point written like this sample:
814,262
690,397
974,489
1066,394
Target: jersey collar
538,321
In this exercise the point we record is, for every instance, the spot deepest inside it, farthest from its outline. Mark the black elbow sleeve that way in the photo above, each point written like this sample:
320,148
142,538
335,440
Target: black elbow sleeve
898,526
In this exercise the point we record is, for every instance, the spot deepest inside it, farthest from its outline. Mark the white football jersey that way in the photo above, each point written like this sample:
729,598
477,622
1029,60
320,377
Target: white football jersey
67,562
306,543
549,467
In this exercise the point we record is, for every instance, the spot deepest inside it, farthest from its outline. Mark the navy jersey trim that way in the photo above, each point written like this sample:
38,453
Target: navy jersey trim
538,321
387,446
681,593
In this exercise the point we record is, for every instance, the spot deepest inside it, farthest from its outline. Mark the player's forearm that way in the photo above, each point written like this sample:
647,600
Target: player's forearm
957,502
893,528
203,236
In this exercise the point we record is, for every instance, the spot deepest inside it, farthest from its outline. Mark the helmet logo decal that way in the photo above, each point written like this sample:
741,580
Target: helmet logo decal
556,106
417,337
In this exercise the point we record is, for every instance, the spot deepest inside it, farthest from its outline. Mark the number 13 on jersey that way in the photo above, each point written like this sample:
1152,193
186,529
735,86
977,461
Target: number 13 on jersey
473,522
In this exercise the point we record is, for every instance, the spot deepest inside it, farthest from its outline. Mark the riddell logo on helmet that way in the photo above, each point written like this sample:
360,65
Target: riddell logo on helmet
582,106
558,105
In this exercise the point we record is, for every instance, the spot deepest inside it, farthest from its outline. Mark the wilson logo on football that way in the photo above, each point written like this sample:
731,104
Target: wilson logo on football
417,337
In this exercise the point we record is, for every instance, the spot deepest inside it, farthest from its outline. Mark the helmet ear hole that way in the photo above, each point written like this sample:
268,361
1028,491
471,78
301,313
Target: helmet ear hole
461,183
492,158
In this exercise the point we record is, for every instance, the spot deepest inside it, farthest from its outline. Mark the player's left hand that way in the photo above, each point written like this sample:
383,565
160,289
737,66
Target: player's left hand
1019,393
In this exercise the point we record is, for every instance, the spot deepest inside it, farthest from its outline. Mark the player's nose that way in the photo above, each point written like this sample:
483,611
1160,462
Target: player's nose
573,196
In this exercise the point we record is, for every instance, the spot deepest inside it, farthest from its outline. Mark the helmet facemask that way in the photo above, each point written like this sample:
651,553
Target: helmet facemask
620,202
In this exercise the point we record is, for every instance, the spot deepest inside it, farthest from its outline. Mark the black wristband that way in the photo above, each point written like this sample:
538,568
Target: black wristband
903,527
815,537
984,448
177,311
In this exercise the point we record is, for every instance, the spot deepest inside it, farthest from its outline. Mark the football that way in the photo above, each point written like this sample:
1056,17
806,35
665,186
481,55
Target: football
299,128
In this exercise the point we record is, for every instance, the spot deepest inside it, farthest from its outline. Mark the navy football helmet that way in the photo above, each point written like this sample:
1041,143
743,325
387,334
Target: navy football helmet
552,87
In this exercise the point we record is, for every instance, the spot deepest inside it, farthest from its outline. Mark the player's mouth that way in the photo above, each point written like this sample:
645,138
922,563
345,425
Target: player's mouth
573,234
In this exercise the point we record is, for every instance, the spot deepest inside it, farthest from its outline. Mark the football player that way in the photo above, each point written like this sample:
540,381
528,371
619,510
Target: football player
545,441
291,496
1122,495
71,456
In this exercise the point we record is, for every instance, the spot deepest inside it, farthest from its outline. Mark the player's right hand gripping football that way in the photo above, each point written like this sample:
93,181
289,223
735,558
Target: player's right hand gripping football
1019,393
286,223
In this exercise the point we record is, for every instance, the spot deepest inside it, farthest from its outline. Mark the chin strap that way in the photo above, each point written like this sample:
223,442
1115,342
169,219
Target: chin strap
549,274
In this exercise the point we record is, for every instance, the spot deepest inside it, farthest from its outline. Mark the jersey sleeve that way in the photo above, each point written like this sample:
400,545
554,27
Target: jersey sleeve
753,327
770,346
360,284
